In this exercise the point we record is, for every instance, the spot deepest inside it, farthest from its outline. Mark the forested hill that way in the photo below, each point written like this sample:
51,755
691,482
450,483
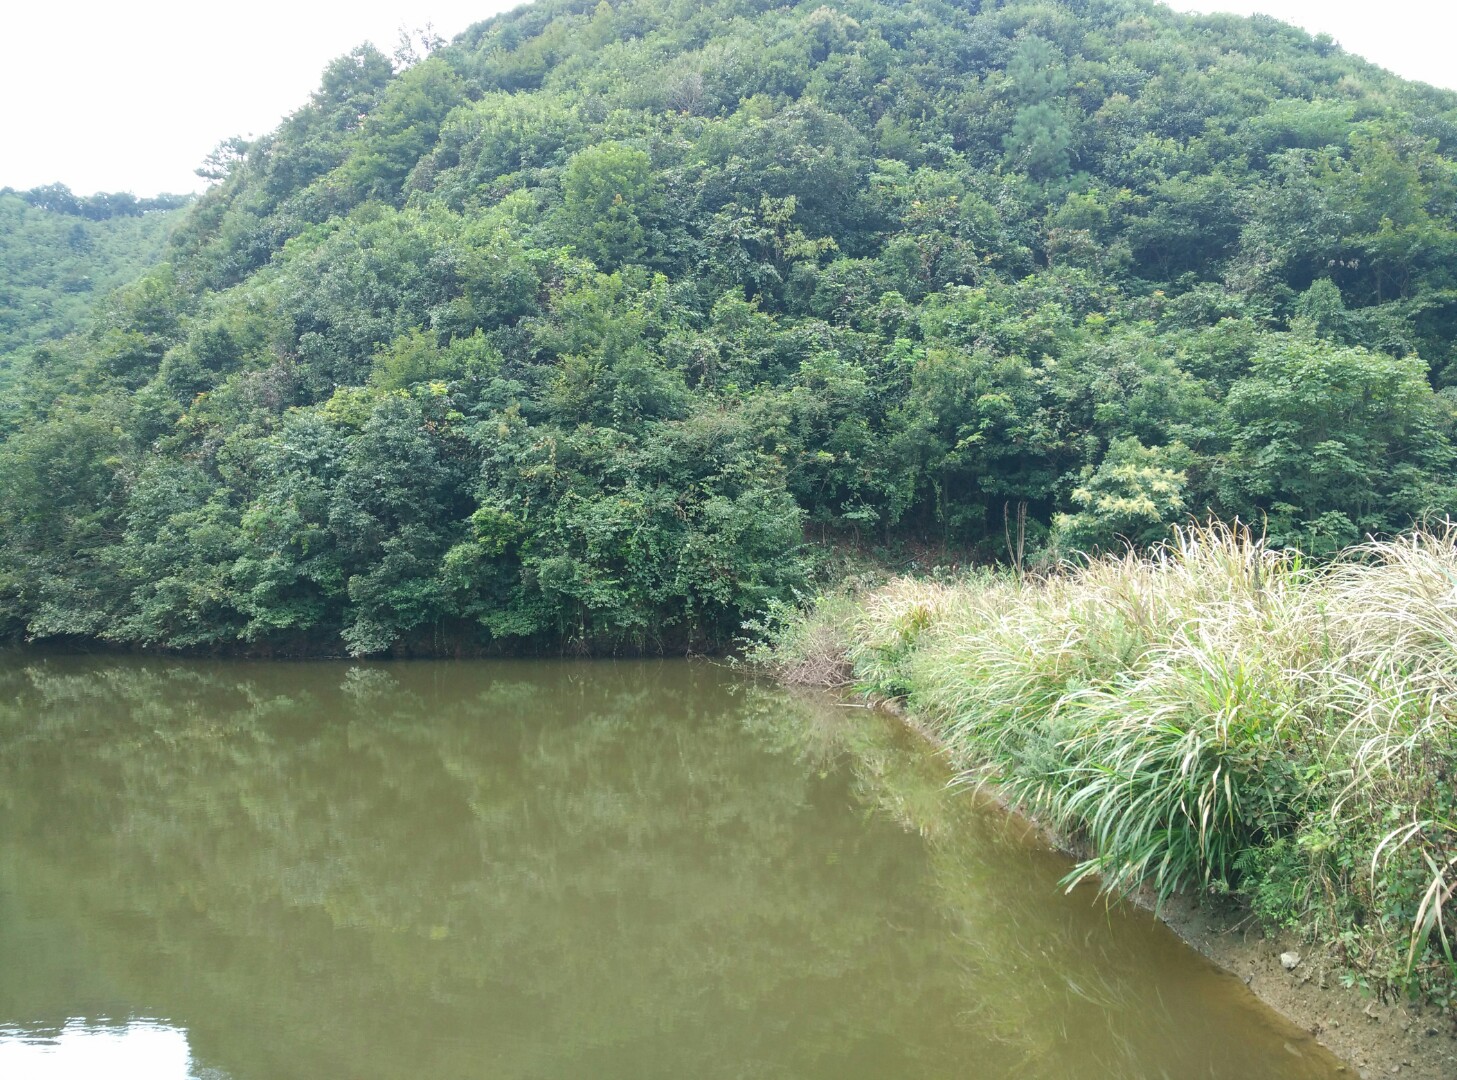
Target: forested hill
571,332
60,252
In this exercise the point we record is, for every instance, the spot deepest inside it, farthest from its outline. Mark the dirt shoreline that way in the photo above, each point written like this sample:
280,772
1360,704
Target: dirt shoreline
1374,1038
1396,1038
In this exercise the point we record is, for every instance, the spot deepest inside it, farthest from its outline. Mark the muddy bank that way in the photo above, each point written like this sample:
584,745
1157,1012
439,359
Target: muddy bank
1391,1038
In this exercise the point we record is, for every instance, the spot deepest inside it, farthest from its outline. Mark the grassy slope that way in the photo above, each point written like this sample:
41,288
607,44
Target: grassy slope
1214,715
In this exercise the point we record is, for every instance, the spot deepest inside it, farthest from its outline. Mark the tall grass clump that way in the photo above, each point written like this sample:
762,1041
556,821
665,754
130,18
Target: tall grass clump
1211,714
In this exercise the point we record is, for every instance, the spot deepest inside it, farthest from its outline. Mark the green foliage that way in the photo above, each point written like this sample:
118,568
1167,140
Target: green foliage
401,129
1041,140
1134,495
60,488
606,189
1334,443
61,254
574,330
1211,715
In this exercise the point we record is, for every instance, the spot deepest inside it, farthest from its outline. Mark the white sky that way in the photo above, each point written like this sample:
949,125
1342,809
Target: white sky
1413,38
131,96
123,96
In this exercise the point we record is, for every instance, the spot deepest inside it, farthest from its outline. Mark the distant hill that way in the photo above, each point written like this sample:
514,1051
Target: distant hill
585,330
59,252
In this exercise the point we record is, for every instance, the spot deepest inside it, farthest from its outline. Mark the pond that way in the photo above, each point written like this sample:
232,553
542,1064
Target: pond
544,870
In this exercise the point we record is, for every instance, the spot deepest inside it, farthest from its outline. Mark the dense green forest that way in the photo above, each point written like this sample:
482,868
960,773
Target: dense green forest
60,252
588,328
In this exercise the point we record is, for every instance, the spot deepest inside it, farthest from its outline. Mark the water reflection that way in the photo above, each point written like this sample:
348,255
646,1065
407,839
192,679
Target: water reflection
546,870
134,1050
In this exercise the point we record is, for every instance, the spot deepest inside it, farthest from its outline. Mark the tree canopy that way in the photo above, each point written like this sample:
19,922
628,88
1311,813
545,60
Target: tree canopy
584,329
60,253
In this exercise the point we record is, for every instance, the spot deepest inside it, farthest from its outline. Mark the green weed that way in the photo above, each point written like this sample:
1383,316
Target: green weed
1211,714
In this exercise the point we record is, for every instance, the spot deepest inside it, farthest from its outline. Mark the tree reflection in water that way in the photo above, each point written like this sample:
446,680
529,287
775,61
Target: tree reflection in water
550,869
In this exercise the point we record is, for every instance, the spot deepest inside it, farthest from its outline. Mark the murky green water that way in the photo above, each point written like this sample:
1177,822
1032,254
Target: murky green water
546,871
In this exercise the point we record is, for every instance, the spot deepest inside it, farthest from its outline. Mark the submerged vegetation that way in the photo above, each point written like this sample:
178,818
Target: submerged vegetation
571,333
1214,714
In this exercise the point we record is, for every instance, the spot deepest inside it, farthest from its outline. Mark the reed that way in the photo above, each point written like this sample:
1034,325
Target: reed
1211,714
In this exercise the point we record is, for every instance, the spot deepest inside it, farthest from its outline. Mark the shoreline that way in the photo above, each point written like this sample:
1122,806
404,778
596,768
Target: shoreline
1372,1037
1210,717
